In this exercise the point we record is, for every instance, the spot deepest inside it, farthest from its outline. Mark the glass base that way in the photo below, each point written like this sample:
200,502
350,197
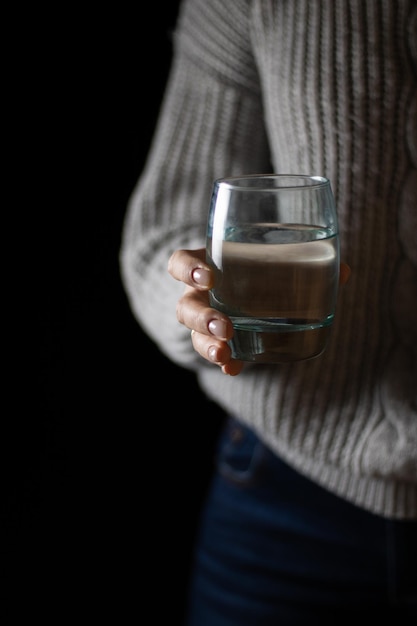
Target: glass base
279,346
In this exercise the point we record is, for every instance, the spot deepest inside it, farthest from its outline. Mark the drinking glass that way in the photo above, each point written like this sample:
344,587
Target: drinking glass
273,243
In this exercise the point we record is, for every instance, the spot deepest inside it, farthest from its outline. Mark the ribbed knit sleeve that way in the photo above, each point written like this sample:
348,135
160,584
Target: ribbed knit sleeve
332,84
211,124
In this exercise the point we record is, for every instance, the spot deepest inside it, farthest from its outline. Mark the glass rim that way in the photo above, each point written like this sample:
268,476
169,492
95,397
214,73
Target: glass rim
235,182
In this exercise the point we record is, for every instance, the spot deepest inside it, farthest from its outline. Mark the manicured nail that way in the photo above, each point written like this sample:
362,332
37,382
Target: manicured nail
201,277
217,328
212,353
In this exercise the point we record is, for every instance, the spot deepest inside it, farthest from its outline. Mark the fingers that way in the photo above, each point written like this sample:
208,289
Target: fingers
190,267
194,311
211,329
217,352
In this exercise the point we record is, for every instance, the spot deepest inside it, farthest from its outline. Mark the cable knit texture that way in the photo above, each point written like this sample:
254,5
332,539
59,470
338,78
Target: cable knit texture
316,87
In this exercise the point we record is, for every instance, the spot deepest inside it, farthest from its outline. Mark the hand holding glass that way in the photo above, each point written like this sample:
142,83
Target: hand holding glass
273,243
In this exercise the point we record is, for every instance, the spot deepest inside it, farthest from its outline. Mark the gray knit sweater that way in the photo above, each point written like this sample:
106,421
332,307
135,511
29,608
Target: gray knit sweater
315,87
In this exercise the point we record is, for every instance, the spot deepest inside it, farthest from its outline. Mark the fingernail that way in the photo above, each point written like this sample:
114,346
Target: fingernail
201,277
217,328
212,353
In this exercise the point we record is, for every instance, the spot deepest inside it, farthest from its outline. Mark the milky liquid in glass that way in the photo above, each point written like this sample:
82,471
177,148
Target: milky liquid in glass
278,284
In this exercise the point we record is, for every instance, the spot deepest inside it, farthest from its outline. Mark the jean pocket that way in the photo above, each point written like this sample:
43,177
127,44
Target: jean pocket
240,455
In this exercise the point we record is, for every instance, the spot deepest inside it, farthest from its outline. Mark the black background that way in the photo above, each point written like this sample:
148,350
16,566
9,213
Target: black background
109,464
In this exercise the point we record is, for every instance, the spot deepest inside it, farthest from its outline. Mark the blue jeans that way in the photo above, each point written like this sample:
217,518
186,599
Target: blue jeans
276,549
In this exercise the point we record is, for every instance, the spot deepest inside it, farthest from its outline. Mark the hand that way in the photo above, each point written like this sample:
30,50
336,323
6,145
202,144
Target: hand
210,329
